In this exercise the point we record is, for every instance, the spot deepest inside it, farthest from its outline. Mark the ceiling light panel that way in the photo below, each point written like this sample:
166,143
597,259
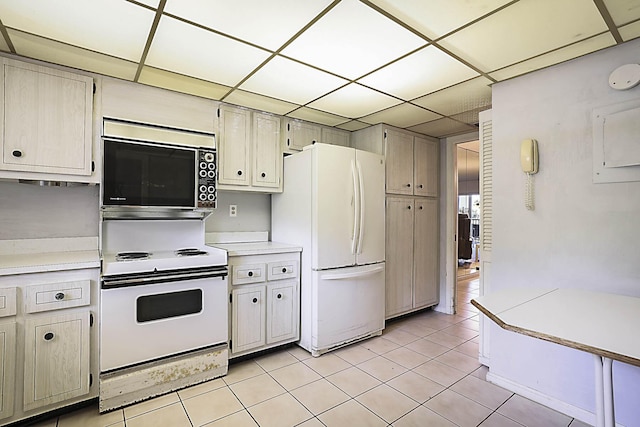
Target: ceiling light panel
59,53
443,128
465,96
423,72
352,40
259,102
265,23
312,115
181,83
114,27
186,49
523,30
575,50
402,116
291,81
354,101
435,18
630,31
623,11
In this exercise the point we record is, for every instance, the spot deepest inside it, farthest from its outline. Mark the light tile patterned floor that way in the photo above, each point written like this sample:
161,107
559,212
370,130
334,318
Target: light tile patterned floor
423,371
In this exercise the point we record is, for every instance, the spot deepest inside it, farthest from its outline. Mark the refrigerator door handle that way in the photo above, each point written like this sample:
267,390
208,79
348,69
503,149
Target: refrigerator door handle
356,210
362,208
362,273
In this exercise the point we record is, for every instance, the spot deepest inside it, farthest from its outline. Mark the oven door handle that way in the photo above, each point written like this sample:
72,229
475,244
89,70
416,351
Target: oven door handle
148,280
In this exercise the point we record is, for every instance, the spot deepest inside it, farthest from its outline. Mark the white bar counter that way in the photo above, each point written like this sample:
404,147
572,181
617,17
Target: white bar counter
589,321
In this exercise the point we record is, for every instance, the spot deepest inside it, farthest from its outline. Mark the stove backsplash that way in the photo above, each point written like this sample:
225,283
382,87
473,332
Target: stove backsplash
151,235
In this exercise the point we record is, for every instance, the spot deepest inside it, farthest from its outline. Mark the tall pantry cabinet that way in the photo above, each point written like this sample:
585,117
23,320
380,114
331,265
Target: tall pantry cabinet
411,216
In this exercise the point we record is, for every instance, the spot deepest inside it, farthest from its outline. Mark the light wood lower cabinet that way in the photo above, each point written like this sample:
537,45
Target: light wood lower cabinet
8,367
411,254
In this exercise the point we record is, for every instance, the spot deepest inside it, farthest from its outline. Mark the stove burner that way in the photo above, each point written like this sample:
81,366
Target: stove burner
190,252
129,256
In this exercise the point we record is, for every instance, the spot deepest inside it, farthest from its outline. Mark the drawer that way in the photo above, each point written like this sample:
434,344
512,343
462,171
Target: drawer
55,296
282,270
8,303
245,273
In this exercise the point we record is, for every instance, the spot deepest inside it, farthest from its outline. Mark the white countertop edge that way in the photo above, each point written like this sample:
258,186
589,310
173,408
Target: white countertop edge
27,269
256,248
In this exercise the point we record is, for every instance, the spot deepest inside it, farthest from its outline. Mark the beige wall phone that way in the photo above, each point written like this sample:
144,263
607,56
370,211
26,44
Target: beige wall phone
529,162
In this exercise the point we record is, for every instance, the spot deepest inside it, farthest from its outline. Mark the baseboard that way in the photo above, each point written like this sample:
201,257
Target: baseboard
550,402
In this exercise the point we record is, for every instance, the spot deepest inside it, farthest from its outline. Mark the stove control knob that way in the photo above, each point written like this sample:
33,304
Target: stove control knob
209,157
59,296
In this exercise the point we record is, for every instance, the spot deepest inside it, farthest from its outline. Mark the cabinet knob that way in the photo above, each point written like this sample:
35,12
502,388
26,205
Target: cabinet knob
16,153
255,300
420,207
420,186
250,274
239,173
263,174
279,296
288,142
409,207
59,296
408,185
48,336
284,269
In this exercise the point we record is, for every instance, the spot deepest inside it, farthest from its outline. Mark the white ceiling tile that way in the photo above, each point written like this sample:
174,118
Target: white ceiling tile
423,72
354,100
470,116
623,11
352,40
291,81
402,116
117,28
151,3
353,125
312,115
435,18
631,31
58,53
578,49
443,127
265,23
259,102
193,51
180,83
465,96
523,30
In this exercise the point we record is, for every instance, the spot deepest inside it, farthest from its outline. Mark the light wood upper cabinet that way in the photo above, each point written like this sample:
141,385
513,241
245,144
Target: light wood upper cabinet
399,158
297,134
45,119
335,136
267,157
425,167
235,146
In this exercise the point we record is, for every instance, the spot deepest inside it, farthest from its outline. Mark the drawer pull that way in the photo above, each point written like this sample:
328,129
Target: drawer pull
279,296
263,175
59,296
250,274
16,153
255,300
239,173
284,269
48,336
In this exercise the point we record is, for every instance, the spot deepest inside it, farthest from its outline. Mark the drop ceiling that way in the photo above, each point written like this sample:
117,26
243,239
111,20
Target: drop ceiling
423,65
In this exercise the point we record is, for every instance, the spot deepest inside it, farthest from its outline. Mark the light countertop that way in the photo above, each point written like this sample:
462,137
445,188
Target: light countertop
256,248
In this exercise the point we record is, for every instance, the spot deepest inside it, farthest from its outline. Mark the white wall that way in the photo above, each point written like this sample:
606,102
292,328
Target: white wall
253,212
581,235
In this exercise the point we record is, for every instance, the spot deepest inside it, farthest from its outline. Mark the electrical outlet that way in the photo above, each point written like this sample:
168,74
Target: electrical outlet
233,210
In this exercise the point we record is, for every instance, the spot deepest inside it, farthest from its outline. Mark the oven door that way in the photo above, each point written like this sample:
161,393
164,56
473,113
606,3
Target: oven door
143,322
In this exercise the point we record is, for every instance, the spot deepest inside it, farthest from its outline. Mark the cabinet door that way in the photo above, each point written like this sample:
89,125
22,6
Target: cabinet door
399,252
248,318
335,137
8,366
299,134
56,366
425,172
283,311
399,158
425,256
235,139
45,123
267,157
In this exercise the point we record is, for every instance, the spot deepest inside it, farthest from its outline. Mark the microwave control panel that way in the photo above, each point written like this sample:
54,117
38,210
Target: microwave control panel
207,179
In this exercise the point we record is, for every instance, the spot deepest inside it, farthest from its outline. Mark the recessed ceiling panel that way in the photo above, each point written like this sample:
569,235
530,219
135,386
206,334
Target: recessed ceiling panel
196,52
443,127
631,31
402,116
435,18
523,30
117,28
465,96
59,53
423,72
352,40
180,83
353,125
265,23
578,49
354,101
259,102
291,81
623,11
311,115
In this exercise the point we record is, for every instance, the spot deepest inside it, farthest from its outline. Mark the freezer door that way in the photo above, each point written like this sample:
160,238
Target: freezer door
334,206
371,235
349,304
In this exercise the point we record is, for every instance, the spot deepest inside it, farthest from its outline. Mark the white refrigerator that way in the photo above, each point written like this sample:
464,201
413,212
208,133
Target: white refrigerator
333,206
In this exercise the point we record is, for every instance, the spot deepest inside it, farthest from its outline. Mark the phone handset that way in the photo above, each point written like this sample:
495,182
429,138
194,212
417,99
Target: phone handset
529,162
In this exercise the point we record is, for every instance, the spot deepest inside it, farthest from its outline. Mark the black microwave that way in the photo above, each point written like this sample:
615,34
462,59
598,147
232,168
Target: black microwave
151,175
